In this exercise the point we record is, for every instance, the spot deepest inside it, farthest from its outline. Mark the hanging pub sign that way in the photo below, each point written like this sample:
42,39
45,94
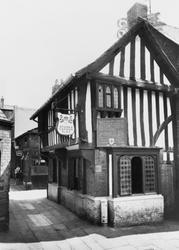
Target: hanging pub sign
65,125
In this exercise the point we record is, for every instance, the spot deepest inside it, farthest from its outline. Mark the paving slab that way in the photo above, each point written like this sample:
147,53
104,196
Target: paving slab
38,223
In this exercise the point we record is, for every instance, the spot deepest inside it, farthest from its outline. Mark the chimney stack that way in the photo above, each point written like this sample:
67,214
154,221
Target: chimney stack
2,102
137,10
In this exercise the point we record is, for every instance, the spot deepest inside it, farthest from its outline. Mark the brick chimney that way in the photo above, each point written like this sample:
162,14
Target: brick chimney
137,10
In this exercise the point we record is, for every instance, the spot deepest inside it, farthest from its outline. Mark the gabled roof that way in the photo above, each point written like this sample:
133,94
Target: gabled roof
3,119
161,45
2,116
171,32
29,132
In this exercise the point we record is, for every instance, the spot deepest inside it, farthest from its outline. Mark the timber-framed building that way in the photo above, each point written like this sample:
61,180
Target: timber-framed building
122,158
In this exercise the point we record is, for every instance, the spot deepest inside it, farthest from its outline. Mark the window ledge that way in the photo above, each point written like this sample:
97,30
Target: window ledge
137,197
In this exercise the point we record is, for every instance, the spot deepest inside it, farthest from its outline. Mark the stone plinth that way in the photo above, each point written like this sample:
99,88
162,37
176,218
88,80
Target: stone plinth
135,210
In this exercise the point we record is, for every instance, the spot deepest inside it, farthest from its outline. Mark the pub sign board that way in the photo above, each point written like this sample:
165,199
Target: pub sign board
65,124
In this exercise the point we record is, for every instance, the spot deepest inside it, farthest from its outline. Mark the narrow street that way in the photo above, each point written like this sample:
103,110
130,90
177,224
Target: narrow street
37,223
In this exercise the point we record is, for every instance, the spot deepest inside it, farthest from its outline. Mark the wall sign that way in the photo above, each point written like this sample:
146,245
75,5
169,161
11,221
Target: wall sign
98,168
65,124
111,132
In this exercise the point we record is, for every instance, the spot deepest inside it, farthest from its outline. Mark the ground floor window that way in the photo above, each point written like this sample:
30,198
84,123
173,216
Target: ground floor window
137,174
77,174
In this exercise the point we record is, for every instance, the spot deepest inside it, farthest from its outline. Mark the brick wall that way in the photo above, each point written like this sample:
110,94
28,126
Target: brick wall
90,178
101,173
5,148
5,144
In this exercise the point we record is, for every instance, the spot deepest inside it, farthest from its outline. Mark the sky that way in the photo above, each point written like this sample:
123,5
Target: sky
45,40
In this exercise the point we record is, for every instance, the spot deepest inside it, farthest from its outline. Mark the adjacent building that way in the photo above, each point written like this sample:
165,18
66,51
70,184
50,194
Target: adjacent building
5,159
34,168
110,132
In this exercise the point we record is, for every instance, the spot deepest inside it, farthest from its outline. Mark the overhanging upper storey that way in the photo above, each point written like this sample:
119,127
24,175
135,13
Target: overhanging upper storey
143,53
138,73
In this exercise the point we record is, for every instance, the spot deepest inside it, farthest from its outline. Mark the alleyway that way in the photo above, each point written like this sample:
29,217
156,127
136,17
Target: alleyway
37,223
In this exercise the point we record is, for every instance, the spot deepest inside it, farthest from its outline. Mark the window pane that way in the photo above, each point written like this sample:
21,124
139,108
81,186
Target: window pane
108,97
124,168
116,99
149,174
100,96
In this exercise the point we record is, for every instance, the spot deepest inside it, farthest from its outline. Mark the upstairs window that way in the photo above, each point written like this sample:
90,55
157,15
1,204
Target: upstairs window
116,98
108,97
100,97
108,101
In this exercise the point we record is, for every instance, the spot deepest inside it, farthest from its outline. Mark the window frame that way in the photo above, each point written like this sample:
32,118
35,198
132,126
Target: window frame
107,95
104,86
143,175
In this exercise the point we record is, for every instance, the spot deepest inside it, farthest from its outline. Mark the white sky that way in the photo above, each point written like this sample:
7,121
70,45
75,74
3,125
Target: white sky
41,40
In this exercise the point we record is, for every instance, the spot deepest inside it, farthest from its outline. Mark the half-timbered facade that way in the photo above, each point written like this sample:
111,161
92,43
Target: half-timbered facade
121,153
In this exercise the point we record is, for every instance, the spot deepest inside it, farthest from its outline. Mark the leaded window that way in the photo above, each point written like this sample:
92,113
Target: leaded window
125,176
116,98
149,174
136,175
108,97
100,97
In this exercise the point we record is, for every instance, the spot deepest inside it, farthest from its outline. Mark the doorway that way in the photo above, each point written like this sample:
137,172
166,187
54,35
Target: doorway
137,175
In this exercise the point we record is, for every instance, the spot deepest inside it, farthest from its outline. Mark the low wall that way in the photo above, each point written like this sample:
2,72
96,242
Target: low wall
122,211
53,192
167,187
83,205
135,210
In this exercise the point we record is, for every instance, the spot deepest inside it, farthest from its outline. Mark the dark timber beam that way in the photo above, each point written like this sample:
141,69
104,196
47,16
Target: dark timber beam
150,116
131,83
134,116
142,60
142,116
161,128
157,109
125,107
152,68
165,118
122,61
132,59
111,67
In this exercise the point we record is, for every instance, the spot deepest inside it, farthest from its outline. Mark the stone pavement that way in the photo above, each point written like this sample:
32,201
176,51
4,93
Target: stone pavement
37,223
